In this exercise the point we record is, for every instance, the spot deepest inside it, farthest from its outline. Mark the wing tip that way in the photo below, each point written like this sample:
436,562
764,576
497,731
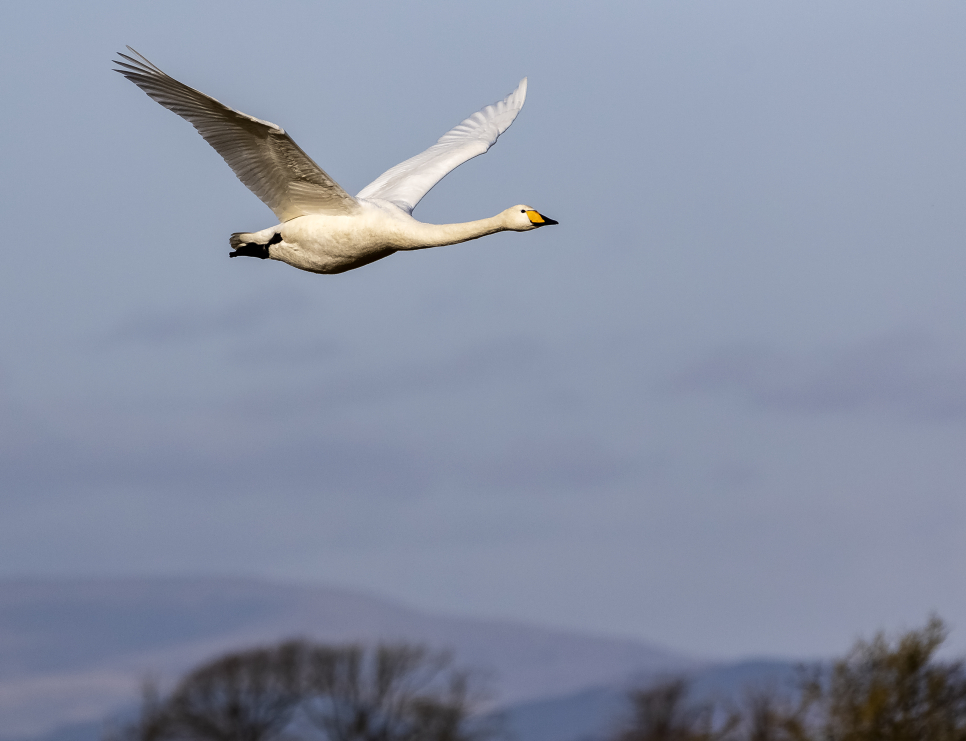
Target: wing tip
520,93
141,63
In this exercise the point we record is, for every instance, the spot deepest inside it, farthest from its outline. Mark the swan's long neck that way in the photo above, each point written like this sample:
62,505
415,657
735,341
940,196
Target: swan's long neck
437,235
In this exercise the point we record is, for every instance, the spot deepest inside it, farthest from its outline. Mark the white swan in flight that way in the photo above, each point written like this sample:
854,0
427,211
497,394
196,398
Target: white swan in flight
322,228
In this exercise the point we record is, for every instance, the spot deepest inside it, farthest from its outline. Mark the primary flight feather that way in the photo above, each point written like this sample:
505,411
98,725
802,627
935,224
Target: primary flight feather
322,228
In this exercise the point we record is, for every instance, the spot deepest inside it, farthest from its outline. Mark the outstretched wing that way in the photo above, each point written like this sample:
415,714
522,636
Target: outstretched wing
260,153
408,182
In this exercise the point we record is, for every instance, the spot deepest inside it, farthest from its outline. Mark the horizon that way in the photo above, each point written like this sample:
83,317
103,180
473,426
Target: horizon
682,652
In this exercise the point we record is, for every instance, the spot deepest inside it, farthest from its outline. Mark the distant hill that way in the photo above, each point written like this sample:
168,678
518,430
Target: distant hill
73,652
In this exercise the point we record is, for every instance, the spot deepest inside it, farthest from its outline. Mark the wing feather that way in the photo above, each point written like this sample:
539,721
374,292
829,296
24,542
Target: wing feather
406,183
261,154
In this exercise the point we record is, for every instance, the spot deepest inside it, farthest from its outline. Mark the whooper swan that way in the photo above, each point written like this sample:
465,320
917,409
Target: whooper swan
322,228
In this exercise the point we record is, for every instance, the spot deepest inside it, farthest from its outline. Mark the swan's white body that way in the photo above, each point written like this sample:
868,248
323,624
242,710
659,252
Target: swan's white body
322,228
334,244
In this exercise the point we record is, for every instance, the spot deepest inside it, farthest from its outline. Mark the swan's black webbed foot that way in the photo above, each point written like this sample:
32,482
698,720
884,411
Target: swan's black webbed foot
253,249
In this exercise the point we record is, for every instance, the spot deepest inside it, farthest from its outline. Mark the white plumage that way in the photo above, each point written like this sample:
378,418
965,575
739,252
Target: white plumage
406,183
322,228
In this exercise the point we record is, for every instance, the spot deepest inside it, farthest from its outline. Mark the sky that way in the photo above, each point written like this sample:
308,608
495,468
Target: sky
721,406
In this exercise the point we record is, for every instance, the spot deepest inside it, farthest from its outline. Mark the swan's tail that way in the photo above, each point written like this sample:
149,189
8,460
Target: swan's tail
240,238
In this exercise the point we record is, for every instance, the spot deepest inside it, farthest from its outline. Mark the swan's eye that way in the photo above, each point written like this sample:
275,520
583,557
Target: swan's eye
523,210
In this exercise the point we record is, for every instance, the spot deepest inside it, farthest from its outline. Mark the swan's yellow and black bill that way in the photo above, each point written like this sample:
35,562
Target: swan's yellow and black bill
538,219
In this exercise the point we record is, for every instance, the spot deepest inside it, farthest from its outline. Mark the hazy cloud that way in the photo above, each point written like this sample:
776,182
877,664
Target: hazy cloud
567,464
188,324
243,463
907,374
290,433
287,353
482,364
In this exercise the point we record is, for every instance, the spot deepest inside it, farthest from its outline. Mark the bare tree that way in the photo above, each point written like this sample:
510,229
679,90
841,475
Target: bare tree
245,696
348,693
151,723
390,693
770,715
660,712
762,717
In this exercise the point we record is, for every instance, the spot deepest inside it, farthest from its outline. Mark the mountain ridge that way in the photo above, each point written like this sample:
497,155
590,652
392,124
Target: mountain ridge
76,650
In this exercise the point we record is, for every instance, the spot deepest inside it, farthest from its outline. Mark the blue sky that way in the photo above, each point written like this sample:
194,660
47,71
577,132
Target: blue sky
721,406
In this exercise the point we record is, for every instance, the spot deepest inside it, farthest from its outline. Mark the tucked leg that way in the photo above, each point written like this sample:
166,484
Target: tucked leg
244,248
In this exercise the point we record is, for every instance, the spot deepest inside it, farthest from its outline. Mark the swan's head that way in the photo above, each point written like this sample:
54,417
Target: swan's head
523,218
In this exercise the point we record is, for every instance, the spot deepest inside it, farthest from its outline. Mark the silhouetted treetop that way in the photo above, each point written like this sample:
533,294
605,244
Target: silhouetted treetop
395,692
